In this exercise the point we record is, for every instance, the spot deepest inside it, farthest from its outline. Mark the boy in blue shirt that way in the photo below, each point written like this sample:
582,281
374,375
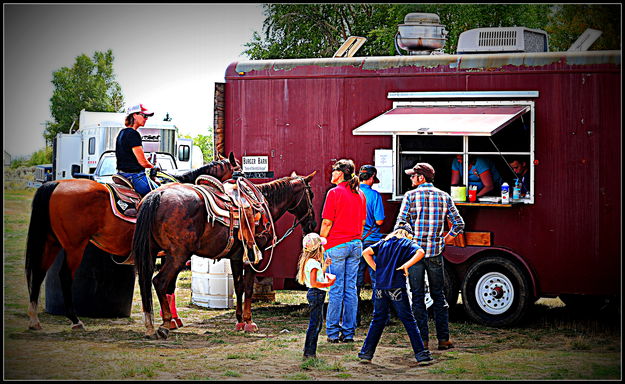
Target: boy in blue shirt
393,256
371,233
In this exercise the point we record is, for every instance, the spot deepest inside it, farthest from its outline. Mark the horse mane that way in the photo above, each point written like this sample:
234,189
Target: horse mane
214,168
277,191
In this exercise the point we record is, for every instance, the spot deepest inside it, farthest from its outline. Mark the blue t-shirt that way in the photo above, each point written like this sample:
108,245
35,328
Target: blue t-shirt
375,212
481,165
389,255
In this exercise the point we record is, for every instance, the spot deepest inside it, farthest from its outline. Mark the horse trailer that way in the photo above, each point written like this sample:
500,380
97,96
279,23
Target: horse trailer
559,111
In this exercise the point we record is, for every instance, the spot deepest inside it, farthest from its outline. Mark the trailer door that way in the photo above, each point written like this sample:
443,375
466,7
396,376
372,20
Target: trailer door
184,147
67,152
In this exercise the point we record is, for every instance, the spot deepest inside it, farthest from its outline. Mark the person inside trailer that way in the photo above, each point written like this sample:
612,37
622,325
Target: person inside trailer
521,170
482,173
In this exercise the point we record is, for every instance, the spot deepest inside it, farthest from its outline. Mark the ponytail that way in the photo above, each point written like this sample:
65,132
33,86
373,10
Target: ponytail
354,183
347,167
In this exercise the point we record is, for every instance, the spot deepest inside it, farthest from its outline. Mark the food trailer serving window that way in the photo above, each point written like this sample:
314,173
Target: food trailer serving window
454,134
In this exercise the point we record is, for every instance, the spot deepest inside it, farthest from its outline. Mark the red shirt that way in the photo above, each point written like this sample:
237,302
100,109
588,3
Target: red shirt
347,211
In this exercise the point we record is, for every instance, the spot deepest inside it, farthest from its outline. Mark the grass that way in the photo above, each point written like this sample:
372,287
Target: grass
230,373
552,344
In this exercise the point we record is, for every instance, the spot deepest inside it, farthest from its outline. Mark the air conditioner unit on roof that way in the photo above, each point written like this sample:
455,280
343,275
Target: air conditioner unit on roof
500,40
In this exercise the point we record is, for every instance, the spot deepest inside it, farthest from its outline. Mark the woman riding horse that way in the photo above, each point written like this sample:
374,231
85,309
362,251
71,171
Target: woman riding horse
69,214
176,220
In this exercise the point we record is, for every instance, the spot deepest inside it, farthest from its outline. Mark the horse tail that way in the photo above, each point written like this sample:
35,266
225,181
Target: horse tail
143,247
39,229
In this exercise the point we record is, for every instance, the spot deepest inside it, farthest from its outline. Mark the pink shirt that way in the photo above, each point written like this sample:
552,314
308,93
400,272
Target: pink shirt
347,211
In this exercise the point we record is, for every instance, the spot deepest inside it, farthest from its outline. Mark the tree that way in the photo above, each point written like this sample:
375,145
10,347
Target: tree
89,84
318,30
569,21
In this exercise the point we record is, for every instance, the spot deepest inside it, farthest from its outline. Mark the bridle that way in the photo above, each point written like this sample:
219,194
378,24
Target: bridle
296,221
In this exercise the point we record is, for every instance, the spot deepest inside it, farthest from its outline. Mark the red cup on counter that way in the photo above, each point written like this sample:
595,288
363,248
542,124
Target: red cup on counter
472,194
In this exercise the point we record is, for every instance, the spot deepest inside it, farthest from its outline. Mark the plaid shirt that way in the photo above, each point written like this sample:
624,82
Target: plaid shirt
425,209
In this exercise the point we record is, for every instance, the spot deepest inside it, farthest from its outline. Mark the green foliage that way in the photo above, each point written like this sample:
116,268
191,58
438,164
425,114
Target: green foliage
89,84
571,20
42,156
318,30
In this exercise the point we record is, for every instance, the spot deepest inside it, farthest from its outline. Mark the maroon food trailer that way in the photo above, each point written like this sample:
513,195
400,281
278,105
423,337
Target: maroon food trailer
560,112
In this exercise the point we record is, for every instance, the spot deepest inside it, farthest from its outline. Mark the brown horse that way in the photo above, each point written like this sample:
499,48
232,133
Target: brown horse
175,219
69,214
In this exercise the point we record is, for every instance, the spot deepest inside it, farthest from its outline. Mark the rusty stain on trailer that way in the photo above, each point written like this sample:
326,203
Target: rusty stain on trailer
458,62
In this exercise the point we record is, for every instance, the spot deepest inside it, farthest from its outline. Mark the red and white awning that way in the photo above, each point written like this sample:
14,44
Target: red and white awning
442,120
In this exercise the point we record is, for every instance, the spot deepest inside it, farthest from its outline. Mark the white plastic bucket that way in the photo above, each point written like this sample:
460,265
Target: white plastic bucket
212,285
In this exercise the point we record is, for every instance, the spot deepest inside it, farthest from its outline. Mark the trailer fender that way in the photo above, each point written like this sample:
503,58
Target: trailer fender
462,257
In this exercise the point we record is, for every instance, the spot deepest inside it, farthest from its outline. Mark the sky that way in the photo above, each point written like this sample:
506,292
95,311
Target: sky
167,57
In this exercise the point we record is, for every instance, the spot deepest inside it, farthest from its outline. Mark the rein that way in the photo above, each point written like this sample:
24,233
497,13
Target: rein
296,222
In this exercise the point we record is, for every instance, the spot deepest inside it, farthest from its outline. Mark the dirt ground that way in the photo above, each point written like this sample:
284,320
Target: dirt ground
553,343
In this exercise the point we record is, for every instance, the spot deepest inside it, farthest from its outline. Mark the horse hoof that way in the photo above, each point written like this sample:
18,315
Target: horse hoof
78,326
240,326
35,327
162,332
251,327
152,336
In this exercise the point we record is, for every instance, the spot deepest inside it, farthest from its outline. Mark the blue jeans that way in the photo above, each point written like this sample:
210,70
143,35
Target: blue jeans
315,297
436,279
343,300
360,281
384,298
143,185
362,265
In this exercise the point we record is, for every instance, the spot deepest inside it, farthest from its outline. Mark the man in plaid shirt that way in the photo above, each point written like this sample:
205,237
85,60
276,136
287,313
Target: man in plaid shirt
424,211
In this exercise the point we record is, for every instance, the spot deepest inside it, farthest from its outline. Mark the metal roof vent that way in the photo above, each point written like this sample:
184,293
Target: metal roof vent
503,39
421,34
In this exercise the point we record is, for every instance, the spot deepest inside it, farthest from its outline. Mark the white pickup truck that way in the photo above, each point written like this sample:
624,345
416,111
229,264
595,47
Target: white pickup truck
107,166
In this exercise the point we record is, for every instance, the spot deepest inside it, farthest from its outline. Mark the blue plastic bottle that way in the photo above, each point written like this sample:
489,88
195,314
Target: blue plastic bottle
516,192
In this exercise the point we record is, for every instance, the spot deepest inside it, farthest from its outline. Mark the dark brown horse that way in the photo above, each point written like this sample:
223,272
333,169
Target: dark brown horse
69,214
175,219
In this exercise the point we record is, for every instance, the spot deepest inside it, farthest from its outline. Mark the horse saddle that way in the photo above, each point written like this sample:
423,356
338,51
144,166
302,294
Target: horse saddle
124,199
237,205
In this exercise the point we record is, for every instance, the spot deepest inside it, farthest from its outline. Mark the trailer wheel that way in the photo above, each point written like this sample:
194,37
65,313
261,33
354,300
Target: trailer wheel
496,292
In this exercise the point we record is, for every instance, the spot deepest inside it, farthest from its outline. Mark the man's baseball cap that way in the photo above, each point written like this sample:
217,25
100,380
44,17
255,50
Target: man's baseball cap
424,169
139,108
366,171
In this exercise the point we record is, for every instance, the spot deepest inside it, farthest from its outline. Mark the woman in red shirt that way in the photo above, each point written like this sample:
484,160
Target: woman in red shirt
344,214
